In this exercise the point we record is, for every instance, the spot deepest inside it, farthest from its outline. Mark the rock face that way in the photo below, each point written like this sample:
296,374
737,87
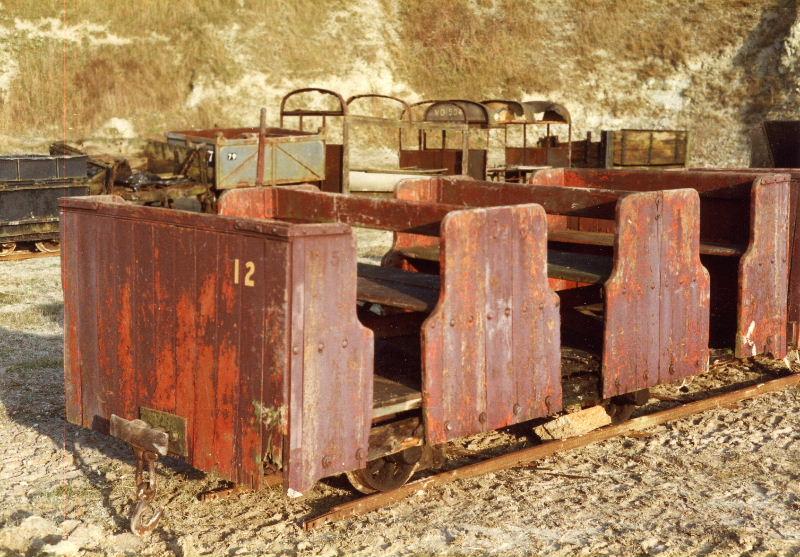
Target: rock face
717,69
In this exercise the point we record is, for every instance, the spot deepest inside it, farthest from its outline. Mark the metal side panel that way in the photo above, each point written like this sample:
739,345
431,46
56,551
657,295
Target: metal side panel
331,373
285,162
764,272
657,298
35,203
491,348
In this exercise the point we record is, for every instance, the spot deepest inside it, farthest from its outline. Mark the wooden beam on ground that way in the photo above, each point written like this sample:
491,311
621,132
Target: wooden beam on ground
526,456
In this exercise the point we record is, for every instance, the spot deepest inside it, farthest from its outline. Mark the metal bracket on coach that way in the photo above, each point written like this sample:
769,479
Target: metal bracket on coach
147,443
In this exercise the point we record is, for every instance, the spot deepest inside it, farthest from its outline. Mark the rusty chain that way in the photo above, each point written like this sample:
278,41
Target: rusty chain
145,493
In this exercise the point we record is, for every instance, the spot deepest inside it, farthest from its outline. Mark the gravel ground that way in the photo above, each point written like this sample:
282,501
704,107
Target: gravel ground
720,483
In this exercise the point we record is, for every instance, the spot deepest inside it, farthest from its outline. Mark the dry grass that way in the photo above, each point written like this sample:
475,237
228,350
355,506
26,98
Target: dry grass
507,47
189,63
172,47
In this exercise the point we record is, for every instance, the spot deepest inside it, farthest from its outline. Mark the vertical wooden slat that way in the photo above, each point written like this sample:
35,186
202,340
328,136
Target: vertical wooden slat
144,315
763,273
186,331
165,323
122,269
495,309
92,397
684,289
657,298
631,331
331,395
205,378
70,278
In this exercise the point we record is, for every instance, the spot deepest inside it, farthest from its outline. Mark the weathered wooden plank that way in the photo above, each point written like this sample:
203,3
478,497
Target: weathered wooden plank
480,321
657,299
579,267
330,410
764,273
584,237
396,288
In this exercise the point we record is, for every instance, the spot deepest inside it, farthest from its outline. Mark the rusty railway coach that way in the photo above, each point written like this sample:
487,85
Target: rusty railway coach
253,342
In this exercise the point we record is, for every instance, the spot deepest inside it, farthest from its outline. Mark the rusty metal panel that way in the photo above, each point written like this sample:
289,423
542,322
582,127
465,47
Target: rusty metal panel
763,273
491,348
33,168
29,212
657,298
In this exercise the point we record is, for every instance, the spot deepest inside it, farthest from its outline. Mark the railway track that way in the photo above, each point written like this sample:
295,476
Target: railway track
23,255
524,457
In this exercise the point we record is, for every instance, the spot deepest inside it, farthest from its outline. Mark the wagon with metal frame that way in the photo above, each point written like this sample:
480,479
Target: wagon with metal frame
30,186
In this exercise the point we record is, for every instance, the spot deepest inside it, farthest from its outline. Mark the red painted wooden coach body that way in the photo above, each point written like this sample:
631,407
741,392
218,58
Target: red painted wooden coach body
271,347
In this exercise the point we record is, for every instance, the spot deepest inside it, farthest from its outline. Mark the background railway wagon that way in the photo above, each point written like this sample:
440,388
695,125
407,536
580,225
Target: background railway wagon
30,186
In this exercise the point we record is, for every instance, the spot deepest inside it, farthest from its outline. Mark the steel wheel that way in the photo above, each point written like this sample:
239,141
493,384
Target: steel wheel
386,473
46,246
7,248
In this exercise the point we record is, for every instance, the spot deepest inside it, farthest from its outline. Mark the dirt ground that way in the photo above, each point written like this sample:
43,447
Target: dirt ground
720,483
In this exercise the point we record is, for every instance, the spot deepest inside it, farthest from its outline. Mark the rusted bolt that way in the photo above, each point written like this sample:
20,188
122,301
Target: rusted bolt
508,312
547,403
452,322
471,318
448,426
517,409
489,316
295,350
482,417
344,343
326,461
320,347
360,454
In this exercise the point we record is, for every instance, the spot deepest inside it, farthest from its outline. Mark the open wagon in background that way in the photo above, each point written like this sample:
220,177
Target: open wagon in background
30,186
316,105
437,149
383,178
520,156
284,355
641,148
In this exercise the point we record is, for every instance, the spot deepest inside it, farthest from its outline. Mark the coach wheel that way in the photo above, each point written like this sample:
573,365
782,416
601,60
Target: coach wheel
7,248
387,472
46,246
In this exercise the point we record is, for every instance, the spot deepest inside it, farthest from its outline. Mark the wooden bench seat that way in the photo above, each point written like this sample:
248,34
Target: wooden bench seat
391,397
578,267
607,239
396,288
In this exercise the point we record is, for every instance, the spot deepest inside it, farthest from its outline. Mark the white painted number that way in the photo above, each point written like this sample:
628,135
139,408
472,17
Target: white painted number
250,269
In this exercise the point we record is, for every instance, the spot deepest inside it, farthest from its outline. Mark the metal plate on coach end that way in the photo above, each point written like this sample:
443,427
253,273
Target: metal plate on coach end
175,426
